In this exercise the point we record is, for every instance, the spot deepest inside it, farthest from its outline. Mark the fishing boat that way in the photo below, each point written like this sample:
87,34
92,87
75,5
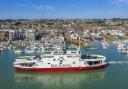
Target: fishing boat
18,51
61,60
120,46
123,47
105,44
90,48
1,49
31,49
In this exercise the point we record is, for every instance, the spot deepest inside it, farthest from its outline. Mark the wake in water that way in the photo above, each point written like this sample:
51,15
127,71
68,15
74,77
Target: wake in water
117,62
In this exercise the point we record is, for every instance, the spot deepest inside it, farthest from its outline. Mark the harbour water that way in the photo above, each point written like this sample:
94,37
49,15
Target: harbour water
114,76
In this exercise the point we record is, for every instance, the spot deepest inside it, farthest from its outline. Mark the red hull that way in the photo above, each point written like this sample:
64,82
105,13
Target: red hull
62,69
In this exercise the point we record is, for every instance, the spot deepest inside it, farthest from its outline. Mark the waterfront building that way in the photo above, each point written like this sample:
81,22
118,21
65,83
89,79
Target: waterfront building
4,36
19,35
30,34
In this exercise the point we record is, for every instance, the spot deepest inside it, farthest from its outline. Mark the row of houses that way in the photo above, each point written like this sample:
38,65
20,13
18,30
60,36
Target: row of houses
31,34
71,29
17,35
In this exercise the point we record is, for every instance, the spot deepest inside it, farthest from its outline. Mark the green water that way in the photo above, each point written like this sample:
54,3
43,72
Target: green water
114,76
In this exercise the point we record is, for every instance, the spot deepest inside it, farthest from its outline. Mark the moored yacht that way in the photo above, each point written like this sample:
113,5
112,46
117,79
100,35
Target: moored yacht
18,51
31,49
1,49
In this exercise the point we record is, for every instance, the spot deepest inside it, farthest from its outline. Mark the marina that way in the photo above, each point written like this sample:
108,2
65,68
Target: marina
116,70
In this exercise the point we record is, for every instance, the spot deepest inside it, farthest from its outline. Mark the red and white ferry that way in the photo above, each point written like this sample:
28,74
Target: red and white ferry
64,60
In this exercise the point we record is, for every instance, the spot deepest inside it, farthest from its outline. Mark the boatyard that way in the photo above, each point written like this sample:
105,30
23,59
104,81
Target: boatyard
117,61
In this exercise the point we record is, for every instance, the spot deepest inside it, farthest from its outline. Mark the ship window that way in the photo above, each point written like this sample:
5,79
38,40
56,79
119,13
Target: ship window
88,57
47,52
27,64
61,61
55,52
48,63
73,52
69,56
73,62
65,52
17,64
96,62
90,62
